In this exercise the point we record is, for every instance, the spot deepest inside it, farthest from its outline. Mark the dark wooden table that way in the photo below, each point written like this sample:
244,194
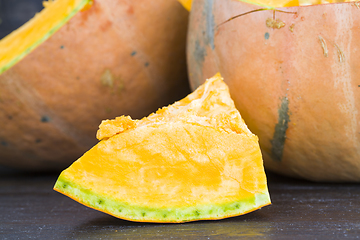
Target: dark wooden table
30,209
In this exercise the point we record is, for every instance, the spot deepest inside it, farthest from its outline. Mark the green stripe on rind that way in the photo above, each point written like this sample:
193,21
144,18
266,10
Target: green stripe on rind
47,36
147,214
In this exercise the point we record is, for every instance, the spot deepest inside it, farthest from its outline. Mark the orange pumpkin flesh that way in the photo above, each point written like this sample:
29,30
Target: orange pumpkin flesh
273,4
293,74
116,57
192,160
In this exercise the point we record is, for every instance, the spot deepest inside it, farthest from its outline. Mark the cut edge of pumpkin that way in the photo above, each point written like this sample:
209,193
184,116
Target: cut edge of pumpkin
271,5
136,213
186,4
33,35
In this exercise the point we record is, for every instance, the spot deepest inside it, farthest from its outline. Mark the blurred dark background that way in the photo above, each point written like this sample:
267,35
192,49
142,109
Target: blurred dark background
14,13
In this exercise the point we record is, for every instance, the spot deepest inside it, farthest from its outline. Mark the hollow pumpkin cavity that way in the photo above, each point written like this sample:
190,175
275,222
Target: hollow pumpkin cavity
193,160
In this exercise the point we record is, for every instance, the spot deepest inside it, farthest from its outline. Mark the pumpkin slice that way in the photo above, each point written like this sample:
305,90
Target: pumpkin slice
193,160
22,41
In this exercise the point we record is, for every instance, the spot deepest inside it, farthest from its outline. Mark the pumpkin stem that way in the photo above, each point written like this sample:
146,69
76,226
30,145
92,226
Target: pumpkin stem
242,14
252,11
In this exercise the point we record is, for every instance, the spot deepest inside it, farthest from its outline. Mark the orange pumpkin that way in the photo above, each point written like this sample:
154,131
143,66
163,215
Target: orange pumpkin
293,73
112,58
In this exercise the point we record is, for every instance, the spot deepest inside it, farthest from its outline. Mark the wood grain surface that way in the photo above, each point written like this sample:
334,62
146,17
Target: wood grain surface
30,209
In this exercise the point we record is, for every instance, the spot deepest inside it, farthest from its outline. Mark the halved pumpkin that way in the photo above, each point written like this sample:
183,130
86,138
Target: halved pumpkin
192,160
80,61
293,73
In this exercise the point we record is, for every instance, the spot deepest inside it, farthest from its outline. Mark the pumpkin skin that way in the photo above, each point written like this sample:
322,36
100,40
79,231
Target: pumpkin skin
297,86
118,57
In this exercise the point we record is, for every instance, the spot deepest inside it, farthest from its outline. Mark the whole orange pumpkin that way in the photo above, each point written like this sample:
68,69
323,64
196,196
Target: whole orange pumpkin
114,58
294,75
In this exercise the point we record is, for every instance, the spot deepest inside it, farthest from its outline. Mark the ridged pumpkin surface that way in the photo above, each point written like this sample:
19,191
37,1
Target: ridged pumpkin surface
192,160
293,74
111,58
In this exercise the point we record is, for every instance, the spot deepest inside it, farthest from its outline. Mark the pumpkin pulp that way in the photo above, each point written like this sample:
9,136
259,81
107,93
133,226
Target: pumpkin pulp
19,43
192,160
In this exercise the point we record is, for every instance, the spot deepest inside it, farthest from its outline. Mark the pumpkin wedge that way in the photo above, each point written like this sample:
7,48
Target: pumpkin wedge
78,62
193,160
